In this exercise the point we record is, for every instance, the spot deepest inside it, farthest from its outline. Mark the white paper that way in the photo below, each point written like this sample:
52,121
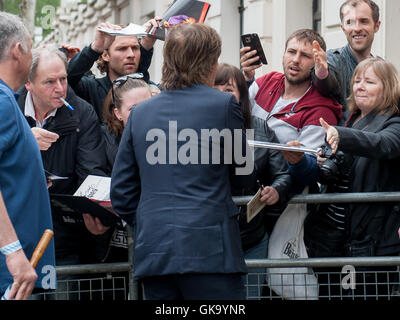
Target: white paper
131,30
282,147
95,187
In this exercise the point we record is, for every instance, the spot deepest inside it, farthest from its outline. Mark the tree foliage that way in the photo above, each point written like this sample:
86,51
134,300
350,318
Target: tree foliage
12,6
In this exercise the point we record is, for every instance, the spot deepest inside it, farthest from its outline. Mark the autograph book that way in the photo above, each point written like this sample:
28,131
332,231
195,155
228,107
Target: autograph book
93,197
181,11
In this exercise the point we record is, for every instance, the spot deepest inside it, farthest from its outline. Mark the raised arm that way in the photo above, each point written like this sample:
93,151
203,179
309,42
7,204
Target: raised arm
323,76
83,61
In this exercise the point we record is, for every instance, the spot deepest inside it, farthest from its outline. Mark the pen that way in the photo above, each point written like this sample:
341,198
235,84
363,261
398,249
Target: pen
66,103
260,184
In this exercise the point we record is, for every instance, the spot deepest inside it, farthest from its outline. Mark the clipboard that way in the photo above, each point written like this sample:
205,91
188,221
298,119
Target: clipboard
75,206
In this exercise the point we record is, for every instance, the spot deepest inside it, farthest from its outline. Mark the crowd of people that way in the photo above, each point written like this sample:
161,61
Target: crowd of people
190,239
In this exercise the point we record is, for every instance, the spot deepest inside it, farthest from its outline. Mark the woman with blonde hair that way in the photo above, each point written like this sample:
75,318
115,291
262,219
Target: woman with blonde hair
371,137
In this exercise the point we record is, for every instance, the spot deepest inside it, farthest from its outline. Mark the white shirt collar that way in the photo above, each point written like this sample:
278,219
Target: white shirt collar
30,111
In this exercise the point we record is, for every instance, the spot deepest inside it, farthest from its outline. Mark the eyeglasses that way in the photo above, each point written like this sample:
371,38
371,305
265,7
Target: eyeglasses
121,81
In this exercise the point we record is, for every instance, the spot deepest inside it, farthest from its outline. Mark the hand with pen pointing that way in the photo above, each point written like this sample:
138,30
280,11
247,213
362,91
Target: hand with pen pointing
269,195
44,138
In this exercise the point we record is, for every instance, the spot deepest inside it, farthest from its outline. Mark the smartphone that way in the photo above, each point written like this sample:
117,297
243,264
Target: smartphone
253,41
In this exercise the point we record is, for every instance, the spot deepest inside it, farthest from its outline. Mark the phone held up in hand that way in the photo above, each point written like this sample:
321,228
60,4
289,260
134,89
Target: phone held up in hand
253,41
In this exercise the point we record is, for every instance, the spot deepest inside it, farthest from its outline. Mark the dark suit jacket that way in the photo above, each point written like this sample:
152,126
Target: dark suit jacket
186,221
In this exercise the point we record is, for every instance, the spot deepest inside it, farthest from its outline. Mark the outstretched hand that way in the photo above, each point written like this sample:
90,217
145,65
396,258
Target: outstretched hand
293,157
321,64
332,135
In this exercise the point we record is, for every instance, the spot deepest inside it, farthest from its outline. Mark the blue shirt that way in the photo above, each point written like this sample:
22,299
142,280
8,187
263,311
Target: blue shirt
24,189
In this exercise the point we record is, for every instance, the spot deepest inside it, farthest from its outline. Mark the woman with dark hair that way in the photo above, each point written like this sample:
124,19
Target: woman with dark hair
230,79
270,170
126,92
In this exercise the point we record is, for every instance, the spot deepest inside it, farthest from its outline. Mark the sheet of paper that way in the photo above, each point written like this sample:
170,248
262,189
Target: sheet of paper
254,206
131,30
95,187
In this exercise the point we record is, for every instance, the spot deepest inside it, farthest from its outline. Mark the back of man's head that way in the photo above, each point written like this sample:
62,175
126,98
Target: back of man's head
307,35
354,3
191,53
12,31
44,54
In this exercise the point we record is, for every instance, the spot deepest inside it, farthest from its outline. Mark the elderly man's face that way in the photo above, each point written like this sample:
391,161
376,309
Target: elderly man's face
50,83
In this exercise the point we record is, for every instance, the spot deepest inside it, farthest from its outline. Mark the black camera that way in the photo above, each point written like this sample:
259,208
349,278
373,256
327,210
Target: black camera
333,165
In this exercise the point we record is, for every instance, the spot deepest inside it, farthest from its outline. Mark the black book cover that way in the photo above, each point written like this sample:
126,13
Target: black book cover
75,206
181,11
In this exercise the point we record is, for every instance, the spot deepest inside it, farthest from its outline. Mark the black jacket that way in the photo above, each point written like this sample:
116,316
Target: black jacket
270,168
376,150
94,90
111,145
80,149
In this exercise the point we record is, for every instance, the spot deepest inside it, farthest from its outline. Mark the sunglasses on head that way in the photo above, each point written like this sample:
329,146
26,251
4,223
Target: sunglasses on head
121,81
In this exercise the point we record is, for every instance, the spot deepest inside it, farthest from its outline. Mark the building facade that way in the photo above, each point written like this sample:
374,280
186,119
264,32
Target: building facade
75,22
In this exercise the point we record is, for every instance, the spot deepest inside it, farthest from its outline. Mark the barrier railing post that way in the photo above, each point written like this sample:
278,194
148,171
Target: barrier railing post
133,285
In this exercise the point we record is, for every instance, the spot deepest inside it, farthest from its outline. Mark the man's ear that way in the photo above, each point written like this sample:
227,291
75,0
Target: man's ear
377,25
28,85
16,51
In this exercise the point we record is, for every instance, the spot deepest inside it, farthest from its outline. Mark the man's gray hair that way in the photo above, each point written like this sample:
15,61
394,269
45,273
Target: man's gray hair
12,30
37,56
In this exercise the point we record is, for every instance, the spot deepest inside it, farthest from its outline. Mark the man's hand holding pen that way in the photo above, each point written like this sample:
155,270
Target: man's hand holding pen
269,195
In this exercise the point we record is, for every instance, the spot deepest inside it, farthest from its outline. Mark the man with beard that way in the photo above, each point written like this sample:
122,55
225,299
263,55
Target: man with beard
116,56
288,101
334,69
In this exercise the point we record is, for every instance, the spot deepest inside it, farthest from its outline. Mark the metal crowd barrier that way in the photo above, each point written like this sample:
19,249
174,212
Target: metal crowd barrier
329,271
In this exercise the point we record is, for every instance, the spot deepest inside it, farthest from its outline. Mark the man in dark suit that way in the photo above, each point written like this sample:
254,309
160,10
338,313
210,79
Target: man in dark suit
173,183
